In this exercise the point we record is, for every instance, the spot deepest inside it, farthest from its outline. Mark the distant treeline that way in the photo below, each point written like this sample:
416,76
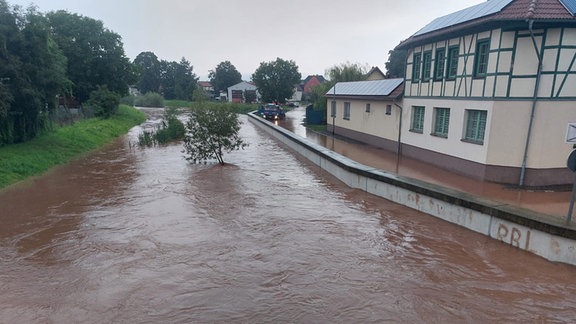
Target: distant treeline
50,61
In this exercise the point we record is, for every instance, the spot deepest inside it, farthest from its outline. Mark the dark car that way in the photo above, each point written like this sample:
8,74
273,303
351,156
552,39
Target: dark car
272,111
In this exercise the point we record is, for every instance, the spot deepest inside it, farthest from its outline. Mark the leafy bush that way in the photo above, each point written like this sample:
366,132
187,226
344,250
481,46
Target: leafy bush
104,102
171,129
128,100
150,99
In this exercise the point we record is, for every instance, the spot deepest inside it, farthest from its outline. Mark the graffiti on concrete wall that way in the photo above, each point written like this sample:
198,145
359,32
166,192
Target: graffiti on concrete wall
514,236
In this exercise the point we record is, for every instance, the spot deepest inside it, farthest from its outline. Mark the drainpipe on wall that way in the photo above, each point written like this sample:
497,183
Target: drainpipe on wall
534,100
399,149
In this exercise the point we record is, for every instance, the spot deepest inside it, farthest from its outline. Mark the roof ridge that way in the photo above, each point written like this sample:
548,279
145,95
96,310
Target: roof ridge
531,9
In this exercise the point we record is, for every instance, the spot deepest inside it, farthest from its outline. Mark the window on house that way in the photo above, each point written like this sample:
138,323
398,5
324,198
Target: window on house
347,110
417,124
388,109
481,58
475,126
426,66
452,68
333,109
367,107
439,63
441,121
416,67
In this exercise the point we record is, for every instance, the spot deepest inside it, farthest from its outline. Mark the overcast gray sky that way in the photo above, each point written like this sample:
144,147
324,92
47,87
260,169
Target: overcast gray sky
316,34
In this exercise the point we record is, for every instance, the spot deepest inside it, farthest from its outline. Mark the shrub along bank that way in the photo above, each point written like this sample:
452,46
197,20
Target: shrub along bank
20,161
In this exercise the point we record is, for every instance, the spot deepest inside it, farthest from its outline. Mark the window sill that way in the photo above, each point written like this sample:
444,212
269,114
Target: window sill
417,131
472,141
346,118
439,135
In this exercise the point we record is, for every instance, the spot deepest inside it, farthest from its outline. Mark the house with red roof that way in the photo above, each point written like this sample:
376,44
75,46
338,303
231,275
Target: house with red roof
490,90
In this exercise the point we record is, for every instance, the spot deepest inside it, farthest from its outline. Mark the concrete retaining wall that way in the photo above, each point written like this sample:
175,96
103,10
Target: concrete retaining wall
518,227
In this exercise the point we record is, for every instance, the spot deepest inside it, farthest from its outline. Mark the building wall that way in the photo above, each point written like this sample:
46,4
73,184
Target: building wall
512,66
547,144
452,144
505,92
242,86
374,123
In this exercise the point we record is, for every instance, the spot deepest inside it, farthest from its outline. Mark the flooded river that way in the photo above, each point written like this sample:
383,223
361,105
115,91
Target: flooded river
127,235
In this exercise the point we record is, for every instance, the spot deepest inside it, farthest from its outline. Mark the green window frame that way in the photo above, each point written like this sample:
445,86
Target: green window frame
426,66
417,123
441,122
346,111
481,58
417,62
453,57
440,61
475,126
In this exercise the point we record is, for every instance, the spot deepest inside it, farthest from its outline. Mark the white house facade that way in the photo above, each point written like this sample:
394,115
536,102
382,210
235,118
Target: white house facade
366,111
242,91
489,91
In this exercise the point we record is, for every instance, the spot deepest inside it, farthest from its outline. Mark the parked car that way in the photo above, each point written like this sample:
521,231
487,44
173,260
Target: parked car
272,111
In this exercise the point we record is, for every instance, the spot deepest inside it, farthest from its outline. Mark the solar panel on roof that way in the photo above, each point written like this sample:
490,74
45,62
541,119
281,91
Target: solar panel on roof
366,88
570,5
464,15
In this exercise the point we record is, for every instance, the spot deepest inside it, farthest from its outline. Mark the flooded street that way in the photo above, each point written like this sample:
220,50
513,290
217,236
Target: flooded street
127,235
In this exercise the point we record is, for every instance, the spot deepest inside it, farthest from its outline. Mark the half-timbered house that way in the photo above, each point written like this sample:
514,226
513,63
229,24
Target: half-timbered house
489,91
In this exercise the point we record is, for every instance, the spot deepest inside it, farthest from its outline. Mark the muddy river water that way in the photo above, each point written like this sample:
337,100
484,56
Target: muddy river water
126,235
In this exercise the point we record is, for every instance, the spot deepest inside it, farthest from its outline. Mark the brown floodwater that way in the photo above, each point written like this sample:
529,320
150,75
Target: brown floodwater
128,235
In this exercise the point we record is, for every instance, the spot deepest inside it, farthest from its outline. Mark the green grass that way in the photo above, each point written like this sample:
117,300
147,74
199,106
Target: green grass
240,108
20,161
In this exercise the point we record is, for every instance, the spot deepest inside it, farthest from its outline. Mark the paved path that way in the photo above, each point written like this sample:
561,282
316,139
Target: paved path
551,203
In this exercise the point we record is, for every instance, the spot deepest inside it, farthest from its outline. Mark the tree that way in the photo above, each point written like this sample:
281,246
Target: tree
199,95
148,68
276,79
396,64
177,80
345,72
95,54
32,73
224,76
185,81
211,132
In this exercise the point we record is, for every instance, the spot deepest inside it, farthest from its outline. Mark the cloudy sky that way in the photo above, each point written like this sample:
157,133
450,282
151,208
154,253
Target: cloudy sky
316,34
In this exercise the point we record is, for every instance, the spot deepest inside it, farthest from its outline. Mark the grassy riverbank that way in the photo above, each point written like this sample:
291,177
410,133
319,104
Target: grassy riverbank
20,161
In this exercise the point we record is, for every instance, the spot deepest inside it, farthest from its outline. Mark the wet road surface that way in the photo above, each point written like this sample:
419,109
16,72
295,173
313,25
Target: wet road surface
141,236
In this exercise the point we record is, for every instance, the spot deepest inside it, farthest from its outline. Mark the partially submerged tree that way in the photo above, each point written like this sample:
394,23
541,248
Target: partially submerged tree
211,132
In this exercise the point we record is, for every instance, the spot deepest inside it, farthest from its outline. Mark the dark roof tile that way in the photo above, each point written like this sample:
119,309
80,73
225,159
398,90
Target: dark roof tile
517,12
